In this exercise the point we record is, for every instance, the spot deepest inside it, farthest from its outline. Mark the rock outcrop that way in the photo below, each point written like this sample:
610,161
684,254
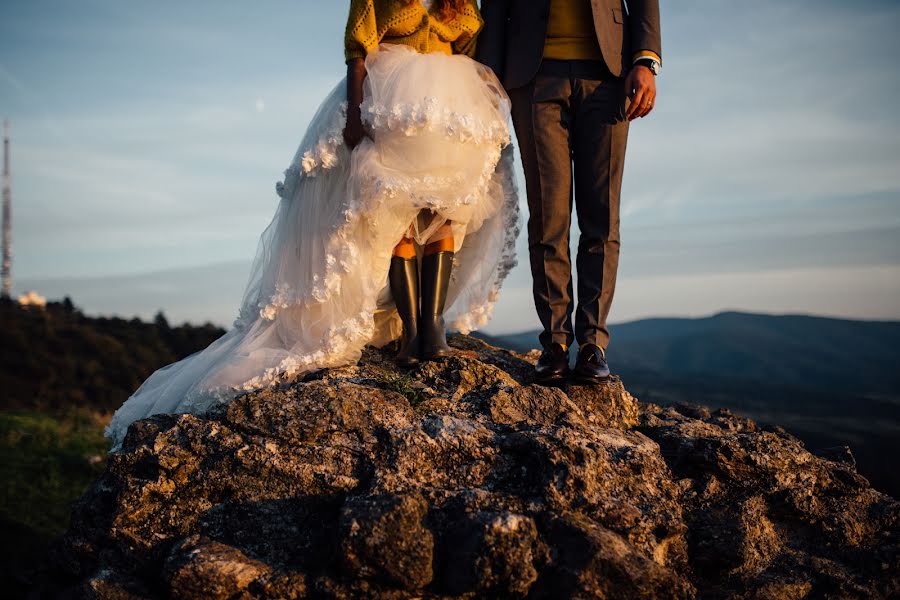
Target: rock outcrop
462,479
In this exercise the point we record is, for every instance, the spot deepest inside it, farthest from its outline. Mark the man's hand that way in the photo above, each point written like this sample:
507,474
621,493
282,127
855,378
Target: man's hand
640,86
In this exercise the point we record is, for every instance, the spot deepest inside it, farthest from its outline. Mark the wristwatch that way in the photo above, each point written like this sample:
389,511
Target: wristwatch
650,63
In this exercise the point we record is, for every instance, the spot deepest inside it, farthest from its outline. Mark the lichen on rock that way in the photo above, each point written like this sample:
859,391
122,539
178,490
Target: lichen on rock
470,481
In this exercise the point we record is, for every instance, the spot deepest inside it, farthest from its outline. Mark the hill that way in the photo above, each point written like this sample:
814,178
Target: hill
800,350
57,358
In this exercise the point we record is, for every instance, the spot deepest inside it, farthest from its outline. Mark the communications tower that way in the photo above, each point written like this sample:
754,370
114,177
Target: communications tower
6,271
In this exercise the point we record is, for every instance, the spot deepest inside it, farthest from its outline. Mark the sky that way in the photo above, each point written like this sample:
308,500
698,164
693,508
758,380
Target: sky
147,138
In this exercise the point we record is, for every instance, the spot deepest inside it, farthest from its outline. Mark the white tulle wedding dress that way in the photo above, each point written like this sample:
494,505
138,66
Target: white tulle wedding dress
318,290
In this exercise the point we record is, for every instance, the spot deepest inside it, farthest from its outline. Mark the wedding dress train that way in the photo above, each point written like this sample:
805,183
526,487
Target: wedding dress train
318,289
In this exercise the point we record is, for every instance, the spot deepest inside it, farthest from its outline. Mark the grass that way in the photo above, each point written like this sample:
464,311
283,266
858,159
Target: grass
403,385
46,462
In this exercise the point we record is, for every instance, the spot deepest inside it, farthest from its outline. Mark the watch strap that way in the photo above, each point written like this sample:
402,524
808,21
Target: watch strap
650,63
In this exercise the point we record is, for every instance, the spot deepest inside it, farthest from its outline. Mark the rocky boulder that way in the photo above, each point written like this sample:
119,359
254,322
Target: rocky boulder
463,479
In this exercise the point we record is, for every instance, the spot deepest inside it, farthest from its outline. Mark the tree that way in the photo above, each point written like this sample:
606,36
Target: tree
160,321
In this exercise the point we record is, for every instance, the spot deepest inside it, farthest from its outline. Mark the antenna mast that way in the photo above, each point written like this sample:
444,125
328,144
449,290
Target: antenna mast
6,272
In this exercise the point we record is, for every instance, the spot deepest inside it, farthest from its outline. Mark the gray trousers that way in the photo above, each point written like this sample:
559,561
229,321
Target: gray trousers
572,113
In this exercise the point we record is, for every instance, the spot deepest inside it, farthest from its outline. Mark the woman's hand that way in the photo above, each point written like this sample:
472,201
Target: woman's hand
354,130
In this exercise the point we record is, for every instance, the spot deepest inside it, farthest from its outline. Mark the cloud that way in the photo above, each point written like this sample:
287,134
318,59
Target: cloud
196,178
767,102
213,292
149,137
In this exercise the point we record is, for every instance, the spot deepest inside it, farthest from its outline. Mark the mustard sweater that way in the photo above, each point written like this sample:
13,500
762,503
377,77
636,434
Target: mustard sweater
400,22
570,31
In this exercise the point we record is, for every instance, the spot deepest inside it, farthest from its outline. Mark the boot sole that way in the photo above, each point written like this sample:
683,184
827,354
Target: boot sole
554,378
590,380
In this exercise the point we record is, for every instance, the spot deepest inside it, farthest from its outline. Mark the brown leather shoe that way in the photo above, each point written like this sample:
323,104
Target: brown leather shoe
553,364
590,366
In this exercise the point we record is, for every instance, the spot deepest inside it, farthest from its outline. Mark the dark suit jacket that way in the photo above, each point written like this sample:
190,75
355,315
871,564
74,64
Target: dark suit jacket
512,41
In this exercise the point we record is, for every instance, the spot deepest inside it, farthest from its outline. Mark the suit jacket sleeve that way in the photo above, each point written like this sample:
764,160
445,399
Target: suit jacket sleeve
644,26
491,49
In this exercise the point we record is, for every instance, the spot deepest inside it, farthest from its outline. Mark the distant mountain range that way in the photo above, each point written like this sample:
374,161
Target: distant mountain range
829,381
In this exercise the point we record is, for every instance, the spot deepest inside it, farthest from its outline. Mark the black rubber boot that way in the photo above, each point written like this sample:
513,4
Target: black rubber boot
403,277
435,280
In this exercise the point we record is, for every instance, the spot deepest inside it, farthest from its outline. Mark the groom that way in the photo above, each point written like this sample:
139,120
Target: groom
577,71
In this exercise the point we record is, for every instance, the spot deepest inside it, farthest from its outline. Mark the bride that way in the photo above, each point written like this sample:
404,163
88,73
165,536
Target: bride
398,212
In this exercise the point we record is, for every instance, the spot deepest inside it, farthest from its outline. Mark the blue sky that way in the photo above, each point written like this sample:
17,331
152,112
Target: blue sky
147,139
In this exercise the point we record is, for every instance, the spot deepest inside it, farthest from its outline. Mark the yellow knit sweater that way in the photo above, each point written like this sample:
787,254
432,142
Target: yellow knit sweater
401,22
570,31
